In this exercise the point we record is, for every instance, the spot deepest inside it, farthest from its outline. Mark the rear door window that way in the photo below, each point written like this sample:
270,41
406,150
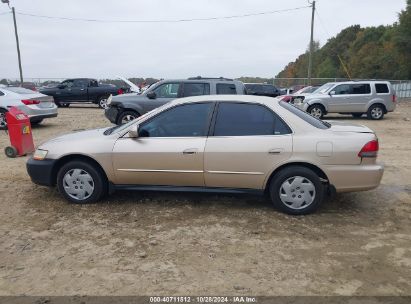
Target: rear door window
361,88
381,88
196,89
242,119
226,89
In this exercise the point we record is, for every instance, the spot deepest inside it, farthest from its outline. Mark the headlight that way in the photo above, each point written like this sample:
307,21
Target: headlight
109,99
40,154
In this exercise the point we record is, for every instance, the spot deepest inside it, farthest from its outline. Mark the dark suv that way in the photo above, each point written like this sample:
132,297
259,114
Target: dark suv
124,108
262,89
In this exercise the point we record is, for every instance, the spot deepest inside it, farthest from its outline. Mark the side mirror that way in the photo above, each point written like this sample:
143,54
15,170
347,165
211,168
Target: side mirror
133,132
151,95
61,86
332,93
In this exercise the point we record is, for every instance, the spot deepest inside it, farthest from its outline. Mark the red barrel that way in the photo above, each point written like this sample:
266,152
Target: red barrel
19,129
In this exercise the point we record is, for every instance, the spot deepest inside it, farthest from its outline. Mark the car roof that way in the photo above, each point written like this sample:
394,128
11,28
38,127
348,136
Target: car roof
202,80
234,98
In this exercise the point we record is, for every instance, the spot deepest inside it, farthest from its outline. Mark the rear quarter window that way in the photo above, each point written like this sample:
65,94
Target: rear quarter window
381,88
305,116
226,89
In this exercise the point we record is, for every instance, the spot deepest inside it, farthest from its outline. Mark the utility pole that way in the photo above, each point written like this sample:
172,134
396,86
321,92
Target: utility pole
310,56
18,45
17,40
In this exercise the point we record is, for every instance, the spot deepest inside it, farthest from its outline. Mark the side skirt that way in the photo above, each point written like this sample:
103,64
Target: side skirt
113,188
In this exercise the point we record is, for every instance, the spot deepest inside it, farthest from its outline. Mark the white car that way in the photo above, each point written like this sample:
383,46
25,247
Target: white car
37,106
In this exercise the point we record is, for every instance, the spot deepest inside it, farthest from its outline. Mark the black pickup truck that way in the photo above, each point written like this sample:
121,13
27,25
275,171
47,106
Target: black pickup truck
81,90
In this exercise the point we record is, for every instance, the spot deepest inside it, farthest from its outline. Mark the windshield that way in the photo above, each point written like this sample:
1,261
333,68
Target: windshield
323,89
20,90
318,123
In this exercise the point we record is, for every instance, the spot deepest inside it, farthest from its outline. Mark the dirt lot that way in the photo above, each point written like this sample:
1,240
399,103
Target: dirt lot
190,244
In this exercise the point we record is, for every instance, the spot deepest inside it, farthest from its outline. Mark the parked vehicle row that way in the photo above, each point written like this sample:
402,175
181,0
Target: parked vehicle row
221,143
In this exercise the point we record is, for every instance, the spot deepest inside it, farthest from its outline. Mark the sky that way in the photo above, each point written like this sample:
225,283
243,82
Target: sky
252,46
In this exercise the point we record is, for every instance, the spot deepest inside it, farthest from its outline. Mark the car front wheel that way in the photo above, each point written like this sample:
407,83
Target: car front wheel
81,182
126,117
296,190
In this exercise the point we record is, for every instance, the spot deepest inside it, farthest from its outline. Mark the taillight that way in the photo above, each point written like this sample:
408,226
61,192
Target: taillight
394,98
120,91
28,102
286,98
370,149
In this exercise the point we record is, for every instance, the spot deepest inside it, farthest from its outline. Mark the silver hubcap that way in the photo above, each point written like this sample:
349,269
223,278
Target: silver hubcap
3,122
376,112
78,184
103,103
316,112
297,192
128,118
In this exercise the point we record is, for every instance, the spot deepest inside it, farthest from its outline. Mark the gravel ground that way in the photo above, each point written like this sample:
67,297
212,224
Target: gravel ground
142,243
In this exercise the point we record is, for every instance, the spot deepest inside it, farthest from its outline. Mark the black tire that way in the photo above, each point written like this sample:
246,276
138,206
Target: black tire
316,110
310,180
376,112
10,152
62,104
100,102
99,181
36,122
126,116
3,122
356,115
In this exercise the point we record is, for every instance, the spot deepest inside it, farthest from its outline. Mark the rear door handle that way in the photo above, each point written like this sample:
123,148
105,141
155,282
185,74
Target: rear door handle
190,151
275,151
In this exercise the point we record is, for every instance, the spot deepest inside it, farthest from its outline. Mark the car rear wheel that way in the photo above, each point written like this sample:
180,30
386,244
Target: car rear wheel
296,190
3,122
62,104
316,110
127,116
81,182
376,112
37,122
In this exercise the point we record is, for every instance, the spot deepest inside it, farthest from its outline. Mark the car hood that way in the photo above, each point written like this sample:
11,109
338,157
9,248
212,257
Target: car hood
338,126
90,142
133,97
79,135
313,96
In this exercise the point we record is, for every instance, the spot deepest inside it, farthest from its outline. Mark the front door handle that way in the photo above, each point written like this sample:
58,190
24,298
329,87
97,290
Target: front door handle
275,151
190,151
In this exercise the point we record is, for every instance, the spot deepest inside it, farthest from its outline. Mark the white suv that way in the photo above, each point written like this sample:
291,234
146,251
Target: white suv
375,98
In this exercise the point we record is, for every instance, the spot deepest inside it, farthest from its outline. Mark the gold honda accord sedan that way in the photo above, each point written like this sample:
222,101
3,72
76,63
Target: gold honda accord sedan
215,143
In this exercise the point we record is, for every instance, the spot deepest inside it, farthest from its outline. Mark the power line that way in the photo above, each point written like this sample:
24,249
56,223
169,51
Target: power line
163,21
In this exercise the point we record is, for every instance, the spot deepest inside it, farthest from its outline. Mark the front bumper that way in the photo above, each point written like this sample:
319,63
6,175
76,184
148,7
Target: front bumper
351,178
112,113
41,171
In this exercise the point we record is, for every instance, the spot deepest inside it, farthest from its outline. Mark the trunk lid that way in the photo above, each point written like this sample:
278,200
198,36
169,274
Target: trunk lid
337,126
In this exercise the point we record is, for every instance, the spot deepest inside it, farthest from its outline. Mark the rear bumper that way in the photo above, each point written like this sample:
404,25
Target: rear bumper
112,113
41,171
351,178
39,117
